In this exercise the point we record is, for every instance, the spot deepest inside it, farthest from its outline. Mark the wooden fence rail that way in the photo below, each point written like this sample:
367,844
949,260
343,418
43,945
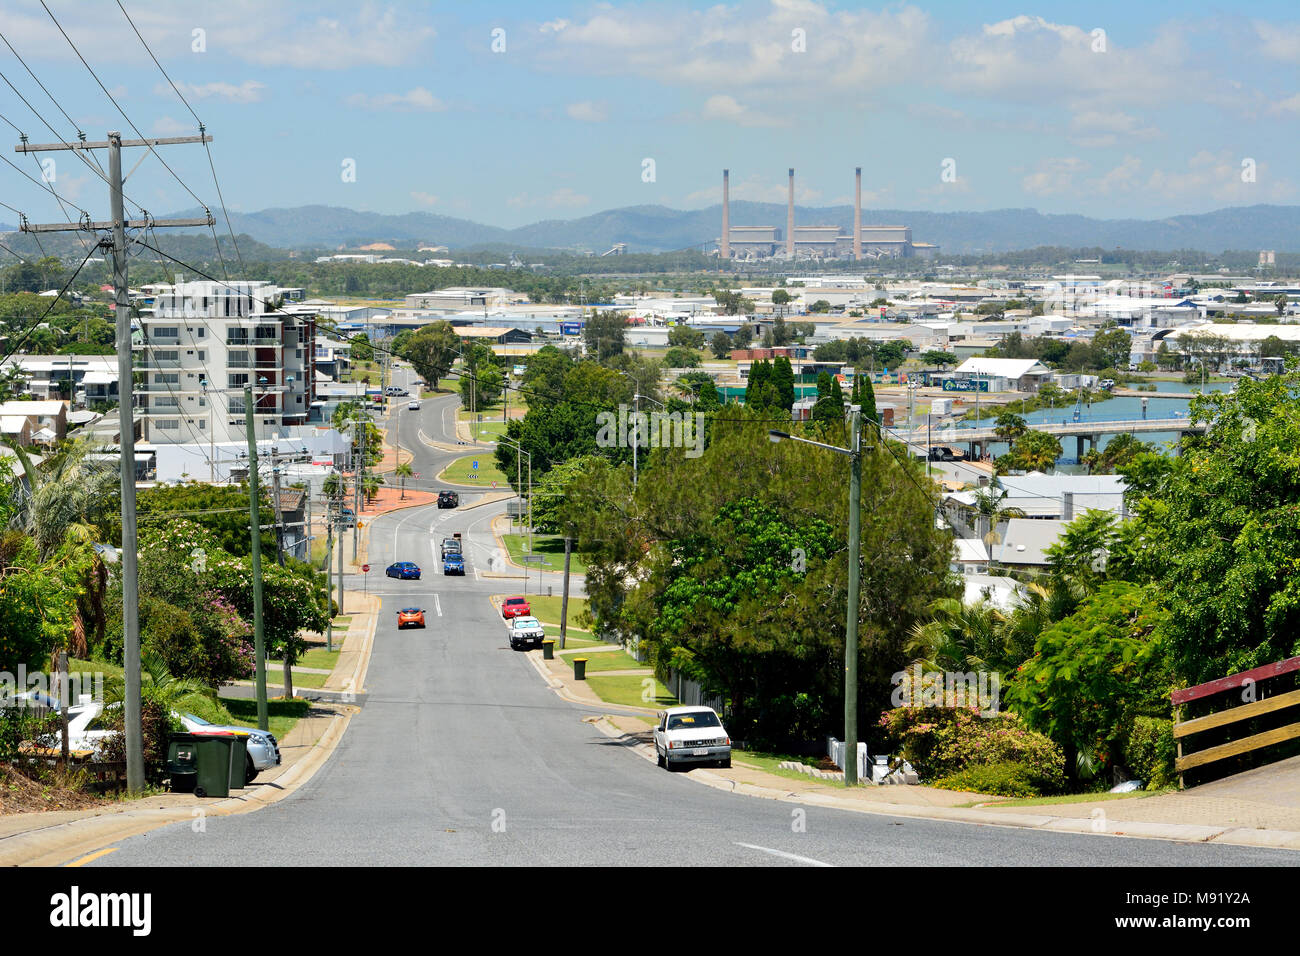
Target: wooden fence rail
1255,699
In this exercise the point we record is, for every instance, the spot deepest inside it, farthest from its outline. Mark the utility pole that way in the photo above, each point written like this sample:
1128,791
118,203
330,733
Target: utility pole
126,400
329,577
255,523
564,598
851,633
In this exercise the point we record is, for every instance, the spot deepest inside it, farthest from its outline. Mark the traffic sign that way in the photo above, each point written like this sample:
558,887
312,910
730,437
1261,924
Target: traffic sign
365,569
476,466
494,484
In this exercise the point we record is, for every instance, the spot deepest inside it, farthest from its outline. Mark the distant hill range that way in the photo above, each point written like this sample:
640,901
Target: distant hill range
660,229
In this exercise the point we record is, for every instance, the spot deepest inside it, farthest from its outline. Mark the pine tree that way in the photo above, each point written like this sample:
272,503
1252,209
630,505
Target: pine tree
867,401
783,379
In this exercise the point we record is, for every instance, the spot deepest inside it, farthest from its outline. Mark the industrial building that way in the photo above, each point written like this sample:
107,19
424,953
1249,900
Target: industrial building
816,242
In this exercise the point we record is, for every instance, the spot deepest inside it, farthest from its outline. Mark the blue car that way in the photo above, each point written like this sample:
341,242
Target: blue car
453,564
404,570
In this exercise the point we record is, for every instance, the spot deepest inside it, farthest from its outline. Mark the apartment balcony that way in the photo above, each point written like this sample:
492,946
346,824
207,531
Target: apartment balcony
239,341
237,361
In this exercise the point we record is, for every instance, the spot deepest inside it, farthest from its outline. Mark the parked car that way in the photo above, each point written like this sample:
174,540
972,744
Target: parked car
525,631
413,406
396,390
453,564
451,546
263,749
347,517
515,607
410,617
448,499
691,735
943,453
1106,384
403,570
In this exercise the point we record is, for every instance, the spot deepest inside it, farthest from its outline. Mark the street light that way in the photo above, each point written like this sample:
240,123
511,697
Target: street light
519,449
854,453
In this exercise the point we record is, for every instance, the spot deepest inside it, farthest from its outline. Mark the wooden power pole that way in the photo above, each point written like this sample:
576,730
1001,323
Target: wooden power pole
117,226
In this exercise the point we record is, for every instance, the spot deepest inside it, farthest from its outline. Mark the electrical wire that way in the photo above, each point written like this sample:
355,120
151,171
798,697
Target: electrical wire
55,301
111,99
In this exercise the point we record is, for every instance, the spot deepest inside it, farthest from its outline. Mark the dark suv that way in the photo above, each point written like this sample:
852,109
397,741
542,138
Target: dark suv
448,499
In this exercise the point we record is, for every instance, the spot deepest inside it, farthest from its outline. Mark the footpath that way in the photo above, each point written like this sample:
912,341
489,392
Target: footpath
74,837
1260,808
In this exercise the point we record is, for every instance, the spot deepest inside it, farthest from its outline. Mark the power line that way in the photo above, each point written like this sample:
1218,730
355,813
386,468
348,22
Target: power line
53,303
100,82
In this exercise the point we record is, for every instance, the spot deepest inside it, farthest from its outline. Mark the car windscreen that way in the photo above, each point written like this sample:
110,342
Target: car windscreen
525,622
701,718
197,720
409,610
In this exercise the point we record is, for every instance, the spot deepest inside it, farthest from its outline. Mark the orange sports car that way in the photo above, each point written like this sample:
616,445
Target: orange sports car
410,617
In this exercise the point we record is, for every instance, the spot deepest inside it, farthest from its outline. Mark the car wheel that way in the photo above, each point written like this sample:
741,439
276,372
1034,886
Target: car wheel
668,764
200,792
250,772
725,764
659,758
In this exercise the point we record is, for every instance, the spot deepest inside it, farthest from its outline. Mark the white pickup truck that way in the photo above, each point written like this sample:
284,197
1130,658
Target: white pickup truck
691,735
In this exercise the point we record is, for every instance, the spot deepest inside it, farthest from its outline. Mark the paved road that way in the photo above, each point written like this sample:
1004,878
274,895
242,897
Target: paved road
462,755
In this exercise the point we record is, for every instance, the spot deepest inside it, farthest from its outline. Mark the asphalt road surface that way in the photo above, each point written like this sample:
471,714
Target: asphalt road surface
462,755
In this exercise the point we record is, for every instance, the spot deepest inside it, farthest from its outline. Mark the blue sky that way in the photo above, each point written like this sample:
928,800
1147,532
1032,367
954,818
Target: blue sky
1174,108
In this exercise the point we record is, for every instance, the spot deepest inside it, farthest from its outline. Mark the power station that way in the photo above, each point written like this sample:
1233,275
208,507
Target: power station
816,242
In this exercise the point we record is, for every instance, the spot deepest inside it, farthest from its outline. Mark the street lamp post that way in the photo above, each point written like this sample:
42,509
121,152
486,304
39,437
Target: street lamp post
854,453
519,449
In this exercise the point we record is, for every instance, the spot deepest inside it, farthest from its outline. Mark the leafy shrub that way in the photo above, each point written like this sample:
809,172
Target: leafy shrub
1149,752
942,741
21,723
1007,778
157,725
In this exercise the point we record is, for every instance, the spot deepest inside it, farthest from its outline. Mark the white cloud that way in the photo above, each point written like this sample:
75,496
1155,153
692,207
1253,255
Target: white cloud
755,188
1289,105
424,199
728,110
166,126
588,111
1053,175
1218,175
1277,41
737,47
1103,128
418,100
250,91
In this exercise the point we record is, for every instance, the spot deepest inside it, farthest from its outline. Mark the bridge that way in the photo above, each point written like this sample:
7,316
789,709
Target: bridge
978,438
1134,393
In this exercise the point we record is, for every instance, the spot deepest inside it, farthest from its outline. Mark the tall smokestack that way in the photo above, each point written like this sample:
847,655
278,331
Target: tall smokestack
789,219
724,250
857,218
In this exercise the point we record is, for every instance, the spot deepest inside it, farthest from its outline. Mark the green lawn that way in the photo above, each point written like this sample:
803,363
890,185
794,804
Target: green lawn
627,689
462,472
547,609
609,661
275,676
281,714
574,638
768,762
320,657
490,431
548,546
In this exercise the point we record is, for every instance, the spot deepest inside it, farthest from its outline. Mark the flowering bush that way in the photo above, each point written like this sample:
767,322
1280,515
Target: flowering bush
1008,778
942,741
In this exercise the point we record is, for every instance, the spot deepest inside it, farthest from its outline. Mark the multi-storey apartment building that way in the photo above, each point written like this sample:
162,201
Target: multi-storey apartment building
202,344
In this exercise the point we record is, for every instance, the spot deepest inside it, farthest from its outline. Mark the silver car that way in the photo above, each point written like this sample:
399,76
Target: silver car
263,750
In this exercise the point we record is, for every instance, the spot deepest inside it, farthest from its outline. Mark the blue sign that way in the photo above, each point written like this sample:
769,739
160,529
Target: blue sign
965,385
475,466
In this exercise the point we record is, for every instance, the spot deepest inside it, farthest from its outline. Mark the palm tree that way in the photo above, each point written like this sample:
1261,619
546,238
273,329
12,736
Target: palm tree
404,471
67,493
370,485
173,693
959,637
990,512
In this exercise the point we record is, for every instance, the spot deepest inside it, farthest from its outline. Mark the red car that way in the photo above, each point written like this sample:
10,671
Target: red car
410,617
515,607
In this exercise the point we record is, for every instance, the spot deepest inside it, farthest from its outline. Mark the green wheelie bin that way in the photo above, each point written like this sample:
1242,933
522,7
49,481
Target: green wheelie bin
220,763
182,762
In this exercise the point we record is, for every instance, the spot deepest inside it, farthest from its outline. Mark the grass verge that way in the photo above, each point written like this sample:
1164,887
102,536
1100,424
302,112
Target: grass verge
1064,799
281,714
627,689
550,547
613,661
547,609
462,472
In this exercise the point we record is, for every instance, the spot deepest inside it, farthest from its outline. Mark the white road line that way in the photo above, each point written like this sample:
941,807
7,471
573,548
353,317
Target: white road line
786,856
437,605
